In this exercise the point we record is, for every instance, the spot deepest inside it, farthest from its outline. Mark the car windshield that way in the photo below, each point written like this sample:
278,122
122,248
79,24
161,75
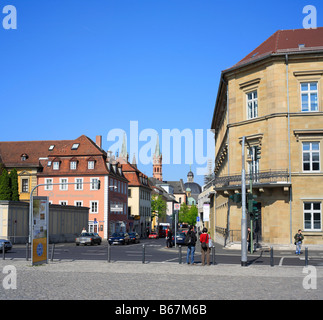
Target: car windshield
86,234
132,234
118,234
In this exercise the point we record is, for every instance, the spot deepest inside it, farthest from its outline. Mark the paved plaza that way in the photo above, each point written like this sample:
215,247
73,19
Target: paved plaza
100,280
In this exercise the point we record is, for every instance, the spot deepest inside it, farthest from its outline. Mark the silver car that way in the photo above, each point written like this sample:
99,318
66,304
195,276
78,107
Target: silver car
88,238
6,244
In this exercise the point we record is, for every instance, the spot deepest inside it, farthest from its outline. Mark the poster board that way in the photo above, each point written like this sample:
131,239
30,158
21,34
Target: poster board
39,244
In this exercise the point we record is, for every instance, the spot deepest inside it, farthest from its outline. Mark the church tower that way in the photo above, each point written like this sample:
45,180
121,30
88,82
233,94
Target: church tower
157,162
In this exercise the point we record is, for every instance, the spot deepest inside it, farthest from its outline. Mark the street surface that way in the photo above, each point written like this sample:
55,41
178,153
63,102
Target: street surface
155,251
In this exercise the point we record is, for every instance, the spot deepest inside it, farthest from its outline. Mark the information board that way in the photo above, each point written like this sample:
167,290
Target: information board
39,244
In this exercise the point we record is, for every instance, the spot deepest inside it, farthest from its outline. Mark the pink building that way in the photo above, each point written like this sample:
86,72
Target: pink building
77,167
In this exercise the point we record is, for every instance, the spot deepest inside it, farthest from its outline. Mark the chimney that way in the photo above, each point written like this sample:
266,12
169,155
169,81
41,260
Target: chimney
98,141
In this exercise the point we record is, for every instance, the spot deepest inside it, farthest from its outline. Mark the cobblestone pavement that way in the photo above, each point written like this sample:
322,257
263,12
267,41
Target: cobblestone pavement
101,280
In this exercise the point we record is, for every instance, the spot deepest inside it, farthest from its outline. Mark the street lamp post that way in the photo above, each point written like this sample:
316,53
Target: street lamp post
243,200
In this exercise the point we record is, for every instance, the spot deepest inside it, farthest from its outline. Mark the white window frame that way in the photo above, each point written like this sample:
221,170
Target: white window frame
56,165
63,184
49,184
94,184
24,187
78,183
73,165
310,152
78,201
309,92
90,165
93,202
63,202
312,212
253,112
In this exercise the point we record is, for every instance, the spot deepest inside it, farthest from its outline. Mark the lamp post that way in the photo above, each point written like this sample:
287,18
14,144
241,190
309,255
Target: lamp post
243,200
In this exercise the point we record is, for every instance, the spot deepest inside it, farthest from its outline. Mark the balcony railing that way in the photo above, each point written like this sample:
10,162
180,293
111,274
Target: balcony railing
260,178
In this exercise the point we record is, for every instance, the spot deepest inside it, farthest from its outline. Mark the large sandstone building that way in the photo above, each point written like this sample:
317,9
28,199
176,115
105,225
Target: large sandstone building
274,98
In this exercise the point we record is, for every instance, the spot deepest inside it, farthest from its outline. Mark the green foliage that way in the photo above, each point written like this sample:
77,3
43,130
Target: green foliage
14,185
5,190
188,215
158,206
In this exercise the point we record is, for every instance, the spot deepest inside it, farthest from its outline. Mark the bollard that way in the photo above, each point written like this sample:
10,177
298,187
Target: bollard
271,256
109,252
3,252
180,254
306,256
27,251
52,254
143,253
213,255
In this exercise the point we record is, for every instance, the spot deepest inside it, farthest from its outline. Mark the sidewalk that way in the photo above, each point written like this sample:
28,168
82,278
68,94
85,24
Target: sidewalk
101,280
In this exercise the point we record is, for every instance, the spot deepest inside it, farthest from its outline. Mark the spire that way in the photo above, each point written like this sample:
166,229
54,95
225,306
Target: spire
123,153
157,149
134,162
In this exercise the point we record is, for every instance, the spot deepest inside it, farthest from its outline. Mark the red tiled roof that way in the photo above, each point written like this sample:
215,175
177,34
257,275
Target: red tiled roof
286,41
133,175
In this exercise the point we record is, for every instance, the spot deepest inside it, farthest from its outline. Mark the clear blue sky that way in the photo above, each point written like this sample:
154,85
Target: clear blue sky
77,67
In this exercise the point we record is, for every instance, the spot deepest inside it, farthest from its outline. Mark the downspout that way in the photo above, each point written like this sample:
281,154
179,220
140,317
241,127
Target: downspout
289,155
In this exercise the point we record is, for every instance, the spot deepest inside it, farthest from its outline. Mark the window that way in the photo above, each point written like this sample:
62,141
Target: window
78,203
252,105
309,94
129,193
63,184
75,146
94,184
73,165
48,185
312,216
79,184
94,206
90,165
63,202
253,163
51,147
56,165
311,156
24,185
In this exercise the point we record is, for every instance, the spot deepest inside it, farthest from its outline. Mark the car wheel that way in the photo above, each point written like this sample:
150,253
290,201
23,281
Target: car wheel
77,244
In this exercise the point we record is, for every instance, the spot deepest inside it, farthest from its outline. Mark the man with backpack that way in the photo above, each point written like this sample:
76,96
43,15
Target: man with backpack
190,241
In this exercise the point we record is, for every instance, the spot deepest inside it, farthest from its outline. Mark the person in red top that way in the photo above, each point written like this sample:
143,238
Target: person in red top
205,249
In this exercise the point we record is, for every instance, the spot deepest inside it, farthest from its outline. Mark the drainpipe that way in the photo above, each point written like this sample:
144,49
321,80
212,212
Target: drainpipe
289,154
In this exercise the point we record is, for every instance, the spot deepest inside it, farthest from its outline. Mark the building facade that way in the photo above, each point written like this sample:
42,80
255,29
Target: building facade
79,174
273,98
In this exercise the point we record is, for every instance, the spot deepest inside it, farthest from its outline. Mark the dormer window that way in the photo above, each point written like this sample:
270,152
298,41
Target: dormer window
56,165
51,147
75,146
90,165
24,157
73,165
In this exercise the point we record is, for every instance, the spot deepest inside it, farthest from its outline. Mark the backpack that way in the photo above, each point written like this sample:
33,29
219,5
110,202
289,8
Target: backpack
203,244
188,239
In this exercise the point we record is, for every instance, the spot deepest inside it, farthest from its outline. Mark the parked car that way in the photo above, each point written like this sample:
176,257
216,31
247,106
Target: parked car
88,238
6,244
119,238
153,235
180,238
134,237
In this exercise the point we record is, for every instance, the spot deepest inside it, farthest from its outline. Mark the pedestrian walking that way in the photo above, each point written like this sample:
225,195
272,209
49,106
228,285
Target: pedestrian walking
298,241
205,247
170,235
190,241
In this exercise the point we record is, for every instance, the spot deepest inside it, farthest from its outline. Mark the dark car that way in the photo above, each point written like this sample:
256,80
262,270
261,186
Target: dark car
6,244
88,238
134,237
180,238
119,238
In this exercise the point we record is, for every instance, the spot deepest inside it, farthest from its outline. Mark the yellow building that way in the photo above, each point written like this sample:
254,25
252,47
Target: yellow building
274,98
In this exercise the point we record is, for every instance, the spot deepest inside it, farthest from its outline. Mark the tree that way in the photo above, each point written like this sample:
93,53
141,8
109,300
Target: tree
158,206
5,190
188,214
14,185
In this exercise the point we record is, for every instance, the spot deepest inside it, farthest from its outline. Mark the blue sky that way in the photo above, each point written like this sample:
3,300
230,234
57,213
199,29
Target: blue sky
77,67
